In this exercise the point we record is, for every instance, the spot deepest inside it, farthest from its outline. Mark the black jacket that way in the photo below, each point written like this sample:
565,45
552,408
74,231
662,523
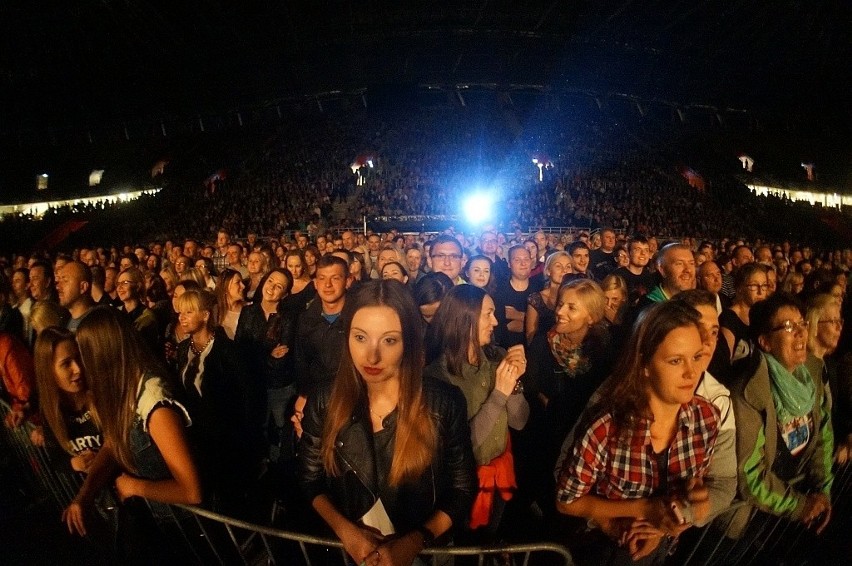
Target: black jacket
256,337
319,346
220,415
449,484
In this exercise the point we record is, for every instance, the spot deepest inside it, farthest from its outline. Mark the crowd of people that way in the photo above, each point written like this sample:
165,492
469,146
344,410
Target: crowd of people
614,388
600,171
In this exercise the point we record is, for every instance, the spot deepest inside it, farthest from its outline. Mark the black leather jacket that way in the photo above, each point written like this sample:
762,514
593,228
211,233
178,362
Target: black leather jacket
256,337
449,484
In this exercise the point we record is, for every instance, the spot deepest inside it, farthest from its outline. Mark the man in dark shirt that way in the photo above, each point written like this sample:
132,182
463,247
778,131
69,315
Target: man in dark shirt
510,299
319,335
488,243
638,277
602,260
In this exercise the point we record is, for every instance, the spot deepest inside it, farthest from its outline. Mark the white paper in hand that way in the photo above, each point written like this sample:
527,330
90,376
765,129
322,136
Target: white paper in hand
377,518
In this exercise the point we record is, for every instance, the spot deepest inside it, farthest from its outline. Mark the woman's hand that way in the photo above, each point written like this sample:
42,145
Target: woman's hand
72,516
279,351
698,497
516,356
82,461
125,486
360,543
14,418
614,528
399,551
641,539
37,436
817,511
658,513
843,450
610,312
507,377
298,414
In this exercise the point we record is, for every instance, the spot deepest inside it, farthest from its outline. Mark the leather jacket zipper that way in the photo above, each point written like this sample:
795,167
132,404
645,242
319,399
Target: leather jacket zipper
354,471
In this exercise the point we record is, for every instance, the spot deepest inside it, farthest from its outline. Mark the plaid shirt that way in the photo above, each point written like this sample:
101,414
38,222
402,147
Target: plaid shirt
602,465
220,261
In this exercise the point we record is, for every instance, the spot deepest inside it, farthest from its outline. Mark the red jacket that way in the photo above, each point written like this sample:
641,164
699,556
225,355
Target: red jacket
16,371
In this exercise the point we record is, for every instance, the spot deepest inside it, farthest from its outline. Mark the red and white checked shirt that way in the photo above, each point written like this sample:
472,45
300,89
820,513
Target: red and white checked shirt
603,464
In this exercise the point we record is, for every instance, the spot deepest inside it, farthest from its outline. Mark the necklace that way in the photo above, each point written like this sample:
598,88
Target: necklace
197,351
381,417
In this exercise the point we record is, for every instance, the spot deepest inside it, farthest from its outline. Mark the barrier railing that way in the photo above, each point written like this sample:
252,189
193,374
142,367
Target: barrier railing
242,536
738,536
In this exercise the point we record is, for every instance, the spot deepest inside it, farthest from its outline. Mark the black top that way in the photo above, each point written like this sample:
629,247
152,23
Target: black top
511,312
449,484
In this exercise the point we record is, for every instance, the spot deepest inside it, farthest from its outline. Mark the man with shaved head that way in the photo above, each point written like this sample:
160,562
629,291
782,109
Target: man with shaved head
74,288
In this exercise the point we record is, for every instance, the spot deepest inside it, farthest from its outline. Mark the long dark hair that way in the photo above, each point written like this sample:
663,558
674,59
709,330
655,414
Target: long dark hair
114,358
455,329
415,437
52,401
281,271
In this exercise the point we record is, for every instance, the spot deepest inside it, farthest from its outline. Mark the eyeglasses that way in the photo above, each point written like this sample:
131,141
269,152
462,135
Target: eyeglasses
445,257
124,283
836,321
790,327
756,286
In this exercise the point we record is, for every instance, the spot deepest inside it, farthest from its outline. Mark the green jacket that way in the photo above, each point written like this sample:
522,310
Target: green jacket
757,436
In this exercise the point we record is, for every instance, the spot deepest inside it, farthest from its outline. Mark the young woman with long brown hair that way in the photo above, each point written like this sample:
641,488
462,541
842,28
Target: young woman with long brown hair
461,352
145,450
640,454
382,448
303,290
230,300
64,397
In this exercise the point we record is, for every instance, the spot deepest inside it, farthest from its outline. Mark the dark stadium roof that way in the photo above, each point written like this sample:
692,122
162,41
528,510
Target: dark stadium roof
86,63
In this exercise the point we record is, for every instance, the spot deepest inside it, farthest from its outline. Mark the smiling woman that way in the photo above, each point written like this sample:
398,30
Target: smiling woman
214,385
385,479
63,397
783,425
568,361
264,336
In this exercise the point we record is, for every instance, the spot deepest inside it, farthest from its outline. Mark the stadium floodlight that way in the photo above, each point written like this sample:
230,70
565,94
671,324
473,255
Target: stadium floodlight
477,208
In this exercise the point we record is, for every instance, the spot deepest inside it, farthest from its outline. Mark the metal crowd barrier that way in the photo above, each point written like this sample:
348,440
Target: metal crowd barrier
253,543
738,536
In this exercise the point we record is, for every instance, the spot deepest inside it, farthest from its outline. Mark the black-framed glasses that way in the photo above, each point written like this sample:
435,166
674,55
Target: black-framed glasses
791,327
836,321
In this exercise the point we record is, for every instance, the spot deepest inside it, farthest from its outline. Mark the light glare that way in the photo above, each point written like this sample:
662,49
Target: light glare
477,208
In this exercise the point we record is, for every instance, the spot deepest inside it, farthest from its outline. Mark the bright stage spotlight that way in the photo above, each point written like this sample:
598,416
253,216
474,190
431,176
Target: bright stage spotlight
477,208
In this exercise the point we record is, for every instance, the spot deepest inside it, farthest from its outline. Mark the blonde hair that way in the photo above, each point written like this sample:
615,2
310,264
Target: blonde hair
552,257
817,307
591,295
193,274
614,283
45,314
199,300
